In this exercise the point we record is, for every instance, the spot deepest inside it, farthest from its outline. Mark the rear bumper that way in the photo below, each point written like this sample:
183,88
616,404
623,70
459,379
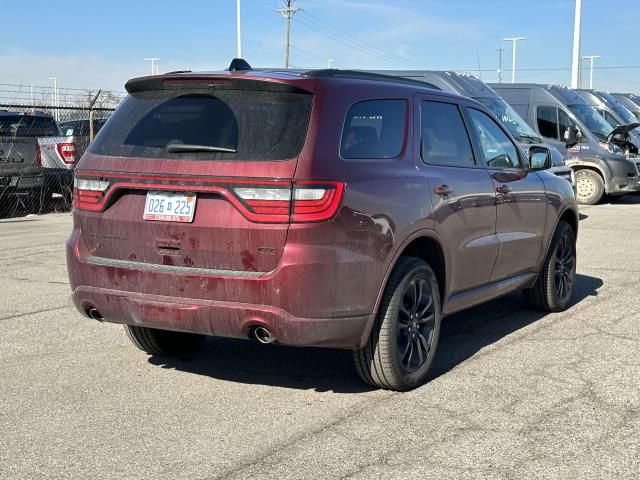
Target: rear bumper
20,183
317,296
225,319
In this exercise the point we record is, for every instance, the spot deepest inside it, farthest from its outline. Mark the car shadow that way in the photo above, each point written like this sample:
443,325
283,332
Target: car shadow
630,199
332,370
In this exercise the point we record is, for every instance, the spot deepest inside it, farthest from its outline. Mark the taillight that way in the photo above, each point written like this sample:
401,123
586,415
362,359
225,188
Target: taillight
38,160
306,201
89,193
67,152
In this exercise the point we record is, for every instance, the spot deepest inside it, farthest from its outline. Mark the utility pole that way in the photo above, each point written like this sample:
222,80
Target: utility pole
575,64
500,50
515,41
287,12
591,58
238,41
154,67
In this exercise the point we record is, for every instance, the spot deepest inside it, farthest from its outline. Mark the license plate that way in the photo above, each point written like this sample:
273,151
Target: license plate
169,207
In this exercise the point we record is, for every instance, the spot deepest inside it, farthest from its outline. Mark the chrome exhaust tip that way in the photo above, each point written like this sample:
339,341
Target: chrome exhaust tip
94,314
263,335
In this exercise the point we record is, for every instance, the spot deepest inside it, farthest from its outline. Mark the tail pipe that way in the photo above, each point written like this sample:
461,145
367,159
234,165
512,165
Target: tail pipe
262,335
94,314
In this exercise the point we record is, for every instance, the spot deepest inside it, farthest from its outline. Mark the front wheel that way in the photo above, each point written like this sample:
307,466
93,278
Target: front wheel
163,342
553,290
589,187
405,334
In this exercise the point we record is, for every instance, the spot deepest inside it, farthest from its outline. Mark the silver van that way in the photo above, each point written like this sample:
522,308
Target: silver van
631,101
625,130
470,86
565,120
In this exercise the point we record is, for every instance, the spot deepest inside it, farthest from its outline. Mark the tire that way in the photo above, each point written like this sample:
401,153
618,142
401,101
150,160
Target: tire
163,342
553,289
589,187
386,361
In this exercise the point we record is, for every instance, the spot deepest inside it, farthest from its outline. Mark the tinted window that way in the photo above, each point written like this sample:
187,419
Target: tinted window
565,123
258,125
595,122
19,125
444,138
548,122
374,129
499,151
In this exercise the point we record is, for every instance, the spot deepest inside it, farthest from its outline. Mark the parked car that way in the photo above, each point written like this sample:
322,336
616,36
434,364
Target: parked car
470,86
576,128
364,210
51,157
631,101
625,132
80,131
20,157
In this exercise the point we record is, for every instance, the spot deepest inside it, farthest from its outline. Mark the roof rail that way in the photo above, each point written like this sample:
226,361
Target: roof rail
362,75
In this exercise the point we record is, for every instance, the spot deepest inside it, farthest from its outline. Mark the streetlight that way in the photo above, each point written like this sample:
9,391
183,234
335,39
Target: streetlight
154,68
591,58
515,41
238,42
575,64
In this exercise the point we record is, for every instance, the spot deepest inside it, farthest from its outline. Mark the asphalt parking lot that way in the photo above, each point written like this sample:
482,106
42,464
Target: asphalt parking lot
513,394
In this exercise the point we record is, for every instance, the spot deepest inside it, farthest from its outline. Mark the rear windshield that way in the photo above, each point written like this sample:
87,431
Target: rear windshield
252,124
28,126
80,127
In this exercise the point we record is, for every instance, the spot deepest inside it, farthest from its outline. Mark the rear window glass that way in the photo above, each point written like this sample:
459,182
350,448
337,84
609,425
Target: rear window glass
28,126
374,129
250,125
80,127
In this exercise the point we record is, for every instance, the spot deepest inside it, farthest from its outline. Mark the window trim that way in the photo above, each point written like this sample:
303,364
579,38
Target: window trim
459,108
521,159
405,137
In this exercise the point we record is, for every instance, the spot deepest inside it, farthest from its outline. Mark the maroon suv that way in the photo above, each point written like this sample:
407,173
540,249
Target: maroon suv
326,208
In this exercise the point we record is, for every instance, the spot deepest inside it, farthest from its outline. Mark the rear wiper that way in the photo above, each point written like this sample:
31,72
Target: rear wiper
186,147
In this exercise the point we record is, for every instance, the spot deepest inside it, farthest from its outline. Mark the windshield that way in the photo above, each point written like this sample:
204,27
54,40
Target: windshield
510,119
625,114
595,122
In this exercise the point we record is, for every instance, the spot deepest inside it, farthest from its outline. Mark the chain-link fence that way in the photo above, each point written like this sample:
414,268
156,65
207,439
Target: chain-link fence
43,133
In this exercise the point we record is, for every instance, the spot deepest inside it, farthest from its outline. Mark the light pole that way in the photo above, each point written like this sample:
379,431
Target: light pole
238,41
55,96
329,62
153,64
575,64
515,41
591,58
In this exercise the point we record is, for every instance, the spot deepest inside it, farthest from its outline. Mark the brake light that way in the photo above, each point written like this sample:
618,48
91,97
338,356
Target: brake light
263,201
307,201
38,160
89,193
67,152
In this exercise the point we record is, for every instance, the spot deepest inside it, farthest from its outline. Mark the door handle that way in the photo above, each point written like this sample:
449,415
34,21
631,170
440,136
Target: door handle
503,189
443,190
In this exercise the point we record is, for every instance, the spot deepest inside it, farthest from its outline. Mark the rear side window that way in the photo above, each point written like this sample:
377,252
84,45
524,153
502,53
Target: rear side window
444,138
248,124
548,122
374,129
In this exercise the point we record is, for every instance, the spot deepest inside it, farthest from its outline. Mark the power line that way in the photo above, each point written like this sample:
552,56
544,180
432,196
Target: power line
287,12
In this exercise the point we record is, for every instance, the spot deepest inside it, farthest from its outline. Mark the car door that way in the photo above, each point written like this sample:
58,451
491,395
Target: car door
463,196
521,198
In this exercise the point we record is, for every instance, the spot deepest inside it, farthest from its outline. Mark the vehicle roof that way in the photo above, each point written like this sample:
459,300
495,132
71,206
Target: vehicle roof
561,93
303,79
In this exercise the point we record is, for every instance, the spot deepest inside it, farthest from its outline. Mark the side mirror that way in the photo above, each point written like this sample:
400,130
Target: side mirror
572,136
539,158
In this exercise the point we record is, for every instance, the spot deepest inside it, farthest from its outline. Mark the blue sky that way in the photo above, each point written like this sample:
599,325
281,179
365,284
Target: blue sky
102,44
